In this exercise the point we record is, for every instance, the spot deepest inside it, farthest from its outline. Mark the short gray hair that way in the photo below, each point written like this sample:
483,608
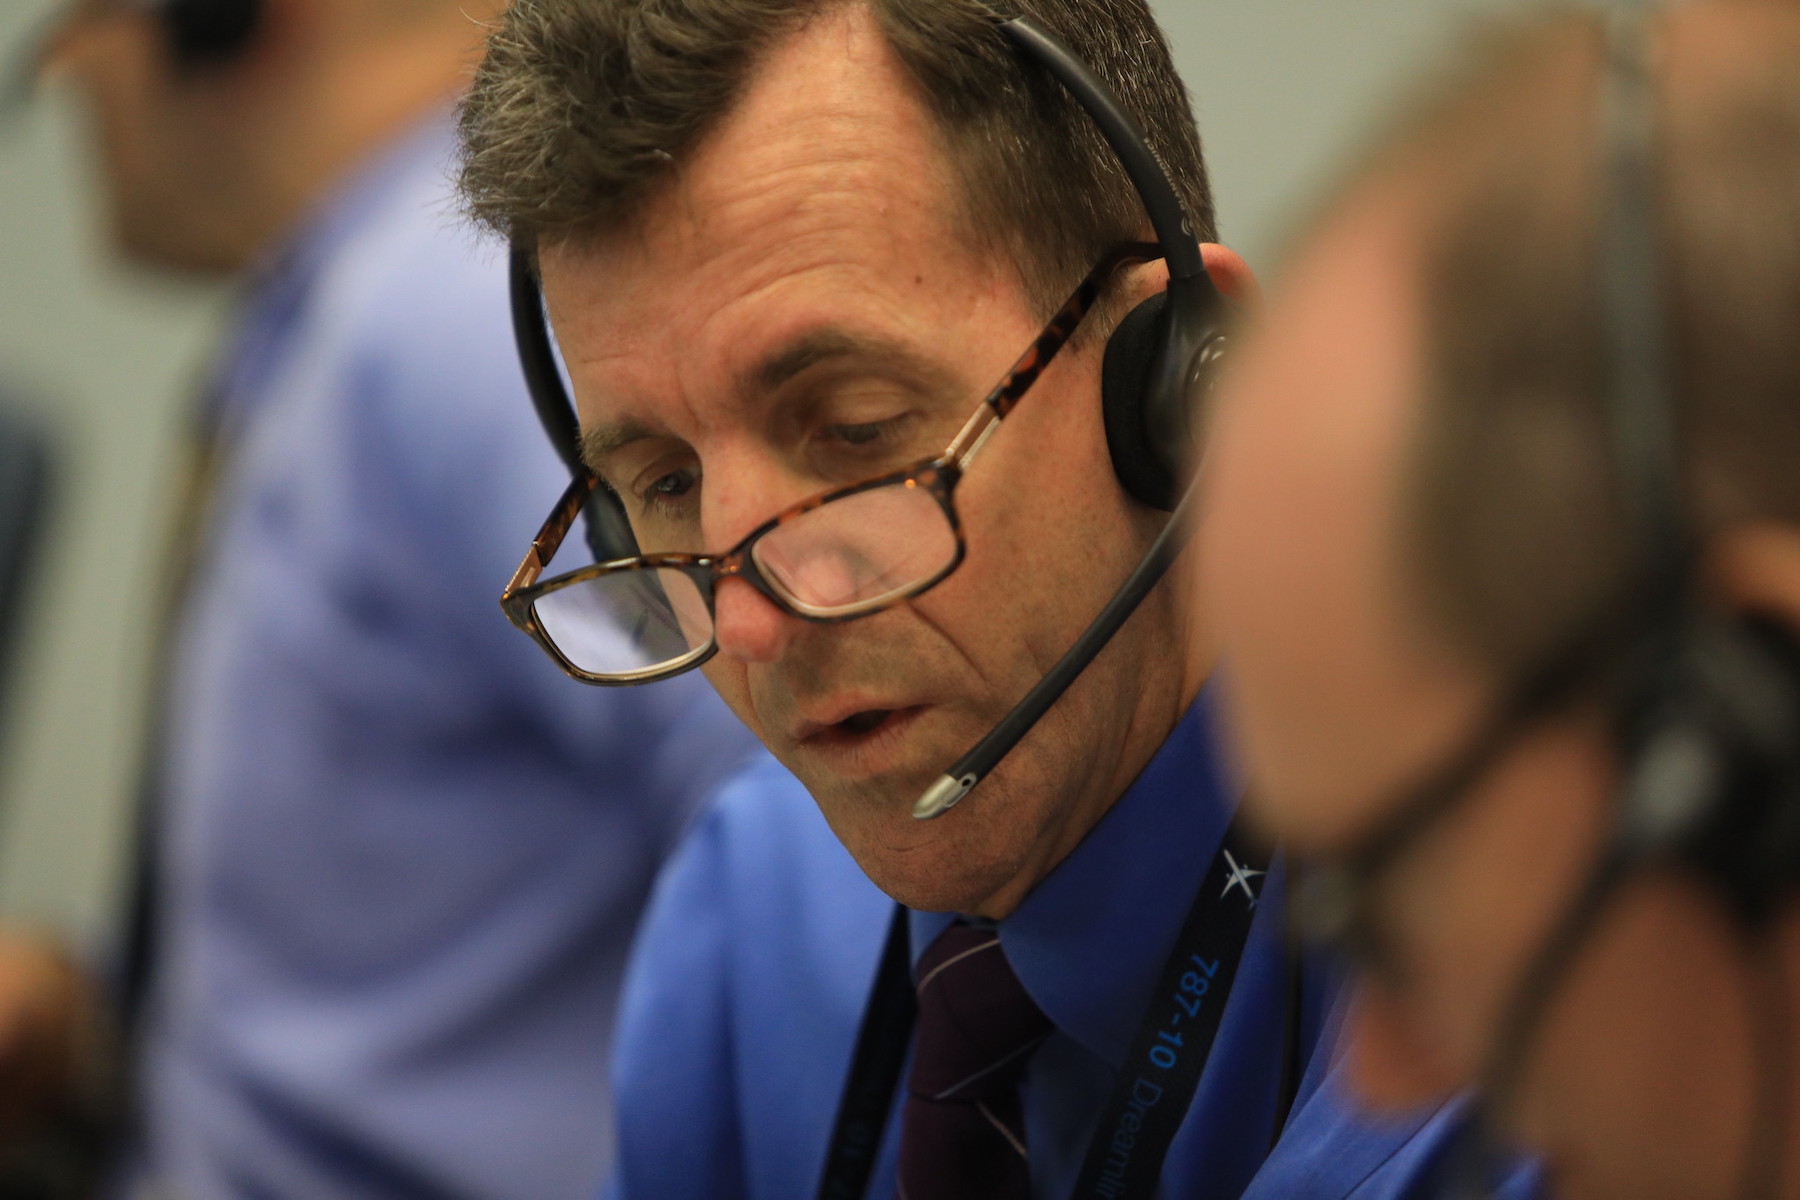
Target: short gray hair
583,108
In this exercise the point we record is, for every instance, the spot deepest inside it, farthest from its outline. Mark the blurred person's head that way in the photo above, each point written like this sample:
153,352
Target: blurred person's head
219,123
791,244
1417,505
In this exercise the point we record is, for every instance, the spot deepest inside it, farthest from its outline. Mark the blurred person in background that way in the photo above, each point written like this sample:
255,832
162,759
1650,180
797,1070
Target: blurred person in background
393,861
1503,539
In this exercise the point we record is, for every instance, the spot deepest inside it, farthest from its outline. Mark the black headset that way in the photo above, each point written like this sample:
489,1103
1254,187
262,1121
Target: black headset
1706,707
1704,703
196,33
208,32
1160,358
1708,723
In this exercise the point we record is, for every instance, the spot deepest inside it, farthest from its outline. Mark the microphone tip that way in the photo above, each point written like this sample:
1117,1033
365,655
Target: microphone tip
943,795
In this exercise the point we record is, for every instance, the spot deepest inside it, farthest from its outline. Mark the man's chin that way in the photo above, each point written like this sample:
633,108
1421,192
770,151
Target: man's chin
866,788
953,863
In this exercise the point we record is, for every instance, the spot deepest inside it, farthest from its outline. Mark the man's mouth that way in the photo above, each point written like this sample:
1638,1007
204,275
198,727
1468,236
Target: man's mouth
860,730
867,721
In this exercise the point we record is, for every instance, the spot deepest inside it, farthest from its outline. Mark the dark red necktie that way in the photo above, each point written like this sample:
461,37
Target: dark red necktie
962,1133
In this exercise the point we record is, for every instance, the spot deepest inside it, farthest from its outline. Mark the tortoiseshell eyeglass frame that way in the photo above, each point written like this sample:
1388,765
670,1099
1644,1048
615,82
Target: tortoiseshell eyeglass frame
939,476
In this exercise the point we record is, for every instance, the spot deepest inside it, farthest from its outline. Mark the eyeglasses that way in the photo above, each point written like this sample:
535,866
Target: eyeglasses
840,555
1336,901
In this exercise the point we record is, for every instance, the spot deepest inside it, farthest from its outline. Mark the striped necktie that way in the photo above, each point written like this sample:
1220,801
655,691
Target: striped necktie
962,1133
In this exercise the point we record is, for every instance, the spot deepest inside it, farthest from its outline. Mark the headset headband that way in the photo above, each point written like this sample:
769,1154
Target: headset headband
1641,407
1190,286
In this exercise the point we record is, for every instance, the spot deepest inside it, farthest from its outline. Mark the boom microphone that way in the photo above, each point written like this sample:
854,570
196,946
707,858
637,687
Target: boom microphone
978,763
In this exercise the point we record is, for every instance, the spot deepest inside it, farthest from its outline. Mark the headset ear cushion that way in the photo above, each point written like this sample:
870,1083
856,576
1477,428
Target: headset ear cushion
1745,694
1130,364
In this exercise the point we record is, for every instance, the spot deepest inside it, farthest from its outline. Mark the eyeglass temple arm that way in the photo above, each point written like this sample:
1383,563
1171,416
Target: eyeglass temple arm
1031,365
554,530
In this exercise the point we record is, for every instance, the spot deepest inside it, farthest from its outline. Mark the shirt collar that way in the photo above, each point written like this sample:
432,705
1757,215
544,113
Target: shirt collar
1090,940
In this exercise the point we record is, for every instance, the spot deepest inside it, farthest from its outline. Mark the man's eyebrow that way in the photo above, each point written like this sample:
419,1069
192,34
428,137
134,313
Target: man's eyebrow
832,343
601,442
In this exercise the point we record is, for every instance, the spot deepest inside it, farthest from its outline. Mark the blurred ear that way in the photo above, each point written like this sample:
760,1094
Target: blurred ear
1756,568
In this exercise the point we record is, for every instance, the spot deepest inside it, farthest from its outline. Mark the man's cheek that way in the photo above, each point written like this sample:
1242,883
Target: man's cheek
731,681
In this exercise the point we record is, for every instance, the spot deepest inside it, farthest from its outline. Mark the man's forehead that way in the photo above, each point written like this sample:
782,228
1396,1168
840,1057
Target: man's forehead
1306,533
828,165
815,223
1329,388
829,125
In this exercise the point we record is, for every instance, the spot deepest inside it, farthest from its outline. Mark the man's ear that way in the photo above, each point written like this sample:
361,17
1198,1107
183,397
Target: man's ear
1756,568
1231,275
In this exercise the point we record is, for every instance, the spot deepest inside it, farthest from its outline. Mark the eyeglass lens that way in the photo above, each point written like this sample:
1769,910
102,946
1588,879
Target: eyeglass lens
627,622
851,555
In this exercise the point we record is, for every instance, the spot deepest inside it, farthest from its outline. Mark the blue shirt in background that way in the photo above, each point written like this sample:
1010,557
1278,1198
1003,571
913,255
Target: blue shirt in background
748,984
401,853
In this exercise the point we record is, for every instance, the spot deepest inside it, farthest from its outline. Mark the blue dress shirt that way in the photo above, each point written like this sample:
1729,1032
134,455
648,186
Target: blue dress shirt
750,976
402,854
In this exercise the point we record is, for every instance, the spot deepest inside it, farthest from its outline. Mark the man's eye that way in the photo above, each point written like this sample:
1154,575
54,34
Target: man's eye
670,486
885,434
866,434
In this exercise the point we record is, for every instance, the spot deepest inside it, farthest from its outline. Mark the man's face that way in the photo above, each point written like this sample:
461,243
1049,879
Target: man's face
1341,694
802,310
163,138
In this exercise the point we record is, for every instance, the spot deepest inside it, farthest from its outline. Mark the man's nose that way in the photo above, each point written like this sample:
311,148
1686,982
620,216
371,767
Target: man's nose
747,625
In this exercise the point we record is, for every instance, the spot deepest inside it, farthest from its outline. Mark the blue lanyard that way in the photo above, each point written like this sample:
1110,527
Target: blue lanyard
1154,1089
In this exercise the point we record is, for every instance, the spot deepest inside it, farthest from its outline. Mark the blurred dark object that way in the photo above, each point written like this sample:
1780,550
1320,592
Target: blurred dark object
24,508
58,1075
198,32
56,1052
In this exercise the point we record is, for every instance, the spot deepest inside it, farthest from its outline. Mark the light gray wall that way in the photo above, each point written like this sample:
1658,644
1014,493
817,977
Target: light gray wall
1283,88
106,356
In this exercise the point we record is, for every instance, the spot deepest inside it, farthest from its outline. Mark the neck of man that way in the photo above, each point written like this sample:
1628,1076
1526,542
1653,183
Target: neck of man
319,117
